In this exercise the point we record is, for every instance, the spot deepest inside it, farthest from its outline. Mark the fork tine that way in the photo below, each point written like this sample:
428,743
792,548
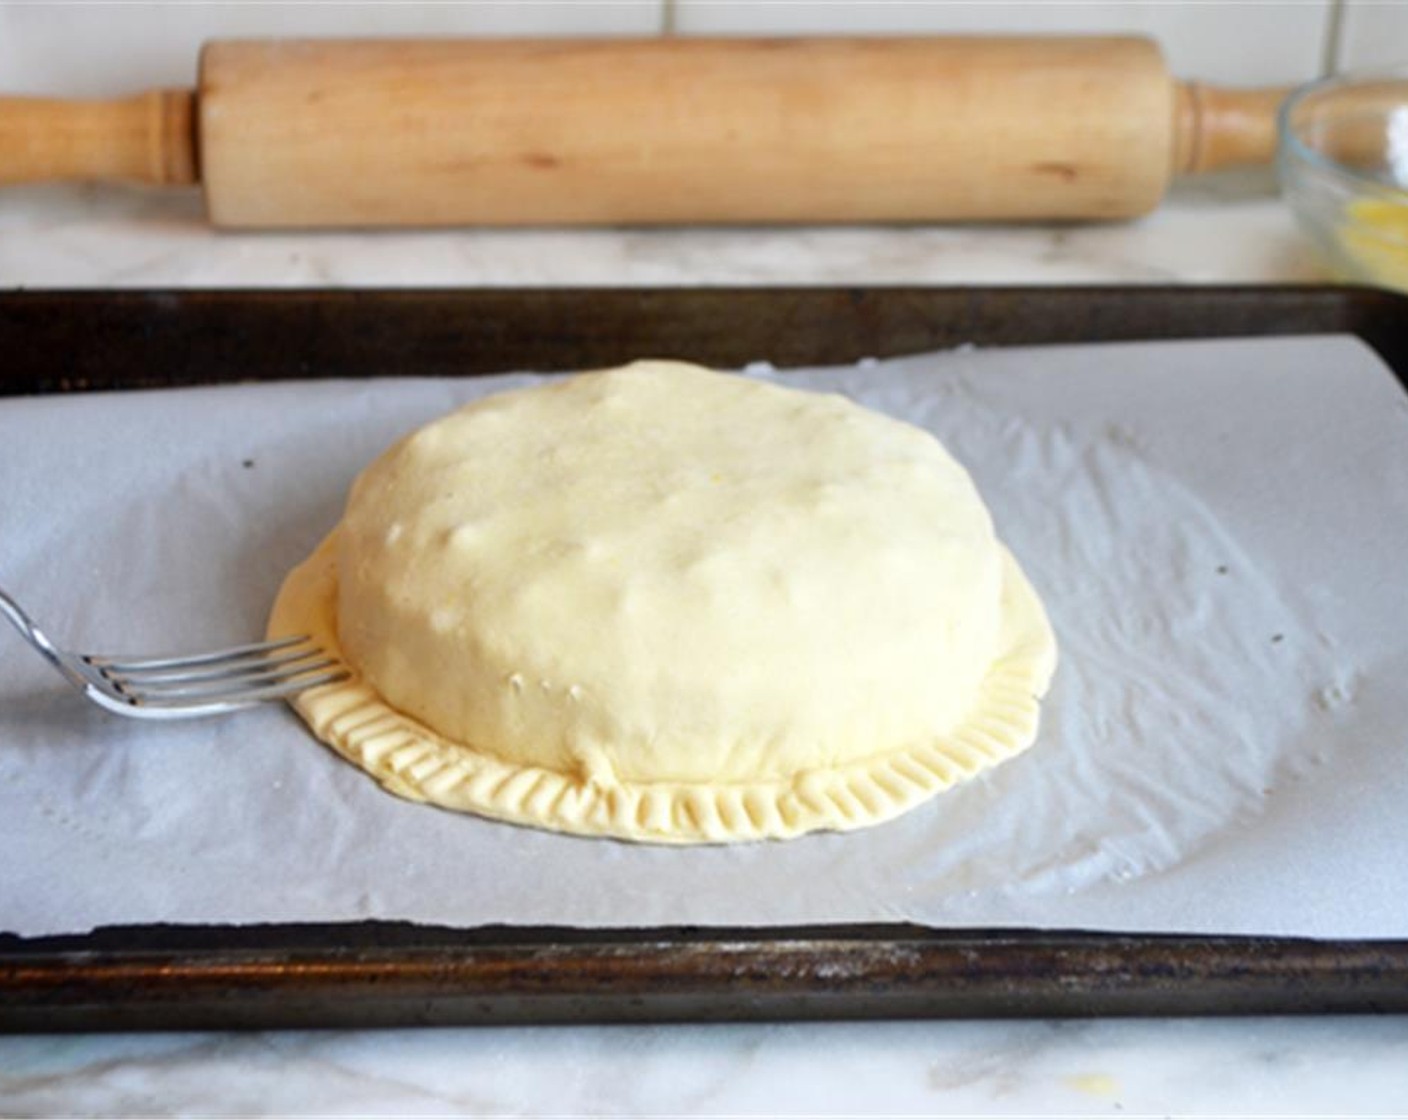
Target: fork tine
178,686
210,670
200,690
129,664
276,691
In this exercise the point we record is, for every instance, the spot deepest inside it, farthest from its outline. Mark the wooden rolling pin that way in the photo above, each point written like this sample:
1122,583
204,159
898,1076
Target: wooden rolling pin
513,132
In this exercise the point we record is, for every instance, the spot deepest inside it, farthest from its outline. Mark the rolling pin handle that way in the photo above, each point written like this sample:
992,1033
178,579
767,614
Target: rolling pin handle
1215,128
149,138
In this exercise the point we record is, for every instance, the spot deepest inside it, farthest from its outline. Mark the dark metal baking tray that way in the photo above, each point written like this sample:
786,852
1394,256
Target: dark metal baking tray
380,973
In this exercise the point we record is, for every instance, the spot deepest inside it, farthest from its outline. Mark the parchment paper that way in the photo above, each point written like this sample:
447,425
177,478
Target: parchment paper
1218,530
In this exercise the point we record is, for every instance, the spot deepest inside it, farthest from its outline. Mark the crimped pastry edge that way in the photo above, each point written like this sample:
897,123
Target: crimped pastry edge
414,762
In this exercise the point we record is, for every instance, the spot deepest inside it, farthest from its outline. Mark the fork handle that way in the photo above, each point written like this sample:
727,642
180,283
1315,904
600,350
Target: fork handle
35,637
23,623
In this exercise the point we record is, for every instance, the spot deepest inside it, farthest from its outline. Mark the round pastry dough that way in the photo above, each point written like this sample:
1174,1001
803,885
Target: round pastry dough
666,604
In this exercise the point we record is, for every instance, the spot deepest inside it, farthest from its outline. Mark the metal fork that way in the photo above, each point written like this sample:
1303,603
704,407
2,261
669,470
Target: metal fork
201,684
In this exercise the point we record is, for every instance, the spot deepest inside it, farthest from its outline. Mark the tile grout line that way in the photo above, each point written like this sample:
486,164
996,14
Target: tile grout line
1334,35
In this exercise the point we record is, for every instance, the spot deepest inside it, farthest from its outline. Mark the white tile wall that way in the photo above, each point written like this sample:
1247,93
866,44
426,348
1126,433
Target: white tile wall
1252,42
99,49
1373,35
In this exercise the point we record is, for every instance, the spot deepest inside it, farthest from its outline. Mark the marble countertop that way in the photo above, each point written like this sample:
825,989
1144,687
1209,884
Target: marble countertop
1222,229
1227,229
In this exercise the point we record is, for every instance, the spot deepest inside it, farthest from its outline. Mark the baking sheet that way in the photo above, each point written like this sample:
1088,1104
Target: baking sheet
1214,526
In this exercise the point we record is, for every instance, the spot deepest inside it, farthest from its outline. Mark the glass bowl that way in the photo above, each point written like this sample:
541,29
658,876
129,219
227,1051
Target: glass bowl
1342,158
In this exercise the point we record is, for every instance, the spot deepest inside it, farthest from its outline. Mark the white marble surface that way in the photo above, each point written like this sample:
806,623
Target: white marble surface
1223,230
1229,228
1353,1066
